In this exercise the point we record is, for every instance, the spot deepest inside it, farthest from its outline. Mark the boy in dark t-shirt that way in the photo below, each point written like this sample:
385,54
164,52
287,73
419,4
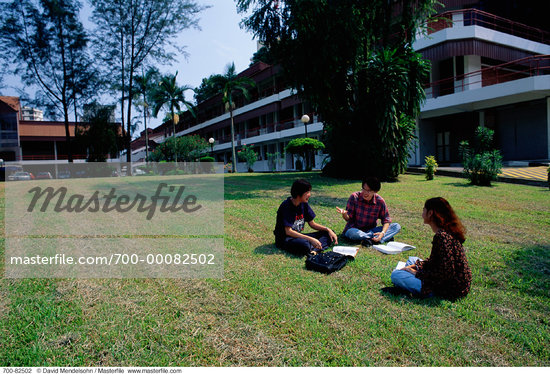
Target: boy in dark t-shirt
292,215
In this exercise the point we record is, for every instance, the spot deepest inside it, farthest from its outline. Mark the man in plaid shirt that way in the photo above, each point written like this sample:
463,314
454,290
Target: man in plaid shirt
362,212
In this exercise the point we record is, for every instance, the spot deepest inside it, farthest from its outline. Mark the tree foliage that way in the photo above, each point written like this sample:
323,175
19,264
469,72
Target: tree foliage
46,43
144,88
300,145
263,55
170,95
230,85
183,148
206,89
131,33
99,135
364,79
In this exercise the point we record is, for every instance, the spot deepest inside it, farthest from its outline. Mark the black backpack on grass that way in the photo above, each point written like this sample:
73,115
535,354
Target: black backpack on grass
326,262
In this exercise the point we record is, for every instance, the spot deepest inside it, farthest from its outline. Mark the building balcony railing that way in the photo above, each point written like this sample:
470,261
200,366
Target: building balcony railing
219,109
509,71
470,17
269,128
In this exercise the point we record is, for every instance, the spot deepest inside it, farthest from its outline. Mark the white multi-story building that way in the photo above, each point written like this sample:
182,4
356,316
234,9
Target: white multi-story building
487,69
31,114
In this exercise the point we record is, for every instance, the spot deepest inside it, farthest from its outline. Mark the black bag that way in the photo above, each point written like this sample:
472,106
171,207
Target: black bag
326,262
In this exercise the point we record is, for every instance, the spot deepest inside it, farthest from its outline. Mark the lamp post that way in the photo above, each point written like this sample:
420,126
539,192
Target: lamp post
211,141
305,120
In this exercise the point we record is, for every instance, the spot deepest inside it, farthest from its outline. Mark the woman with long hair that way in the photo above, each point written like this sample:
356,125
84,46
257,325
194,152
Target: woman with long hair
446,272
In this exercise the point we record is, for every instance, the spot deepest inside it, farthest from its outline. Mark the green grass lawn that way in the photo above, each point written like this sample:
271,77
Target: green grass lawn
270,310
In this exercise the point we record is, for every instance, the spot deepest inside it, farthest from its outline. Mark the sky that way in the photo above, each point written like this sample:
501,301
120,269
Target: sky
219,42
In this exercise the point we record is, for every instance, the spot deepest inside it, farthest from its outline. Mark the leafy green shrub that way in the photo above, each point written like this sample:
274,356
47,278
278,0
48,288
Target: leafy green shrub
482,163
431,167
248,155
304,147
273,159
206,164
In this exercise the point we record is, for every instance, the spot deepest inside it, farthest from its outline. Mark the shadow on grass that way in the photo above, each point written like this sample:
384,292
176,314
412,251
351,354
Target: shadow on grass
409,298
271,249
463,184
529,270
329,201
240,187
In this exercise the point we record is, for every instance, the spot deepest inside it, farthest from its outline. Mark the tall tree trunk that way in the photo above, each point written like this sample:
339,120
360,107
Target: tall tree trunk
234,154
130,88
122,77
123,92
64,97
145,113
129,118
174,133
67,132
75,112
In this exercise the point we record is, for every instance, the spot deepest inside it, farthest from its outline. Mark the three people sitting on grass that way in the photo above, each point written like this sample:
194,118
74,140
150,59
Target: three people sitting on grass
446,272
292,215
363,210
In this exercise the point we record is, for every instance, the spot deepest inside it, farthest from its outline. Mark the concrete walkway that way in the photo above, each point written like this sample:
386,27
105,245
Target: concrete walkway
530,175
537,173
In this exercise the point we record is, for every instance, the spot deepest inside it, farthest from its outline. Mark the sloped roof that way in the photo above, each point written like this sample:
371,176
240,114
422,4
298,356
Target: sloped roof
44,129
50,129
10,102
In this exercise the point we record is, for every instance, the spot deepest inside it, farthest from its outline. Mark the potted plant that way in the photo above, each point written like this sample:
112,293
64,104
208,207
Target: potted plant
431,167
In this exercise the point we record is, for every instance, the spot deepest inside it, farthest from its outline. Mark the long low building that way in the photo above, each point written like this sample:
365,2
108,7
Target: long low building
34,141
267,122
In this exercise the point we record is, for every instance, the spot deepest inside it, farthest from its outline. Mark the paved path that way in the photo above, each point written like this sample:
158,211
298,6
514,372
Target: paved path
533,175
537,173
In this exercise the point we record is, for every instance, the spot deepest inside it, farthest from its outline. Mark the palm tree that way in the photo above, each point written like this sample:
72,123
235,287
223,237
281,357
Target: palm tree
144,86
228,84
170,95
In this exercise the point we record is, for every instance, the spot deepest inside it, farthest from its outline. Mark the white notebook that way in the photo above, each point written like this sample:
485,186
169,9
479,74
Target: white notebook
400,265
347,251
393,247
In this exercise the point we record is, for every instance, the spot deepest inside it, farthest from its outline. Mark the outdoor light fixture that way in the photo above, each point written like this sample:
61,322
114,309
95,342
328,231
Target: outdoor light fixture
211,141
305,120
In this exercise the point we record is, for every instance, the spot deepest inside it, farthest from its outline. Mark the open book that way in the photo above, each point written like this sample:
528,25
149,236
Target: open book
392,247
346,251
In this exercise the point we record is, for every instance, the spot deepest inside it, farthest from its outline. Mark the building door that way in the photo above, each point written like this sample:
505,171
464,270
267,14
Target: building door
443,146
